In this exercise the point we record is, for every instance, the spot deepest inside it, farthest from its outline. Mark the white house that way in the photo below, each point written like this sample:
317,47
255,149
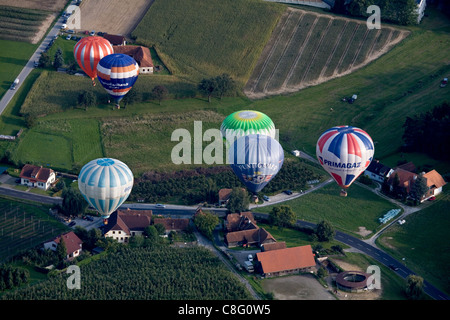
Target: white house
34,176
71,241
123,224
378,171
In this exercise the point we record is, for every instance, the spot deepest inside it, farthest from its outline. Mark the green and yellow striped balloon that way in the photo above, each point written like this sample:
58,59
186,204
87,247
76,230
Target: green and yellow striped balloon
245,122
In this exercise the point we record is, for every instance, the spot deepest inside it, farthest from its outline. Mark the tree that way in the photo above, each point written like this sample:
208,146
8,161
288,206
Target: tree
225,84
58,62
44,60
151,233
160,93
208,87
73,203
87,99
238,201
324,231
61,250
30,120
414,287
282,216
206,222
419,187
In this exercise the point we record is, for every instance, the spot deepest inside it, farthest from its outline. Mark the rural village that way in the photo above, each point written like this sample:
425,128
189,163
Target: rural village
199,231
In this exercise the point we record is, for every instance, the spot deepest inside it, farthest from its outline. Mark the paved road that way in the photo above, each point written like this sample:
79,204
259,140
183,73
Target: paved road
30,64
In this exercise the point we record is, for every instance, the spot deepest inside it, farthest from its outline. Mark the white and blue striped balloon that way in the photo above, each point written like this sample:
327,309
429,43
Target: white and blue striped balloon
105,183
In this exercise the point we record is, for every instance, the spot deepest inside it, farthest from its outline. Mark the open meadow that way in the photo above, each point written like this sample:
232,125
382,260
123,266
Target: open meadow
355,214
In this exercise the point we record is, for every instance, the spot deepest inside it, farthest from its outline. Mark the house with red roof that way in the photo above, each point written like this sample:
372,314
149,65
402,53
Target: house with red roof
123,224
37,176
71,241
285,261
139,53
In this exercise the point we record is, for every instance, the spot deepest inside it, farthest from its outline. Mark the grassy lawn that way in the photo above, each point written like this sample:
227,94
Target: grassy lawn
13,56
361,208
421,241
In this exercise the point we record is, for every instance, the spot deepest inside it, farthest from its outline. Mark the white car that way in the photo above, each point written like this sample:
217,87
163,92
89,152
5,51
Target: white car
250,258
159,205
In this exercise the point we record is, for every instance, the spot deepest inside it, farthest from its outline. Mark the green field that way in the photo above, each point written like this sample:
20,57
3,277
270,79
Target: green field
361,208
196,39
23,226
421,241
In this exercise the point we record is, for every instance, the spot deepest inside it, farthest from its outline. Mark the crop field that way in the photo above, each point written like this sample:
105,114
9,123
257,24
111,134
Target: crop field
197,39
24,226
307,48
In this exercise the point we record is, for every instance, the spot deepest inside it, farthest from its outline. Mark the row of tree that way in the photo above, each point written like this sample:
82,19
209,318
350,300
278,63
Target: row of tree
11,276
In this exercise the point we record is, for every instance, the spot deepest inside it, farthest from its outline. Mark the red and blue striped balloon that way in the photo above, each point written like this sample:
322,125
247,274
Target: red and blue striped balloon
345,152
89,51
117,73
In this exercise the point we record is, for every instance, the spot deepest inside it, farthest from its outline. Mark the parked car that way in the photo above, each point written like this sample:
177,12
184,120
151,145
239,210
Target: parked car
72,224
70,31
36,64
250,258
69,37
444,82
432,198
64,26
288,192
92,33
266,198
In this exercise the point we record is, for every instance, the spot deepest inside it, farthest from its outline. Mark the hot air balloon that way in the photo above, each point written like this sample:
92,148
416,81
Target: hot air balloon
244,122
105,183
256,159
89,51
345,152
117,73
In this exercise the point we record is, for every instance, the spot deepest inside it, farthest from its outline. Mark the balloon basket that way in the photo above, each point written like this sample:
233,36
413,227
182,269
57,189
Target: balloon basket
343,193
105,222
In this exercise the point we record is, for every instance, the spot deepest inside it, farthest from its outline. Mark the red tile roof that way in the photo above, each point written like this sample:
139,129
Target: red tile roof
35,173
172,224
129,220
71,241
286,259
140,54
434,179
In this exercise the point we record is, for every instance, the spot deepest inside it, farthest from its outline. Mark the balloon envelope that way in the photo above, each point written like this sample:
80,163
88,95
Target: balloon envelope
105,183
117,73
89,51
345,152
245,122
256,159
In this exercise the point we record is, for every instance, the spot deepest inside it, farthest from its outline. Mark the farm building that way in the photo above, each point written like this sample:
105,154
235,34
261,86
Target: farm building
245,238
285,261
435,182
71,241
140,54
378,171
37,176
123,224
115,39
171,224
240,221
273,246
